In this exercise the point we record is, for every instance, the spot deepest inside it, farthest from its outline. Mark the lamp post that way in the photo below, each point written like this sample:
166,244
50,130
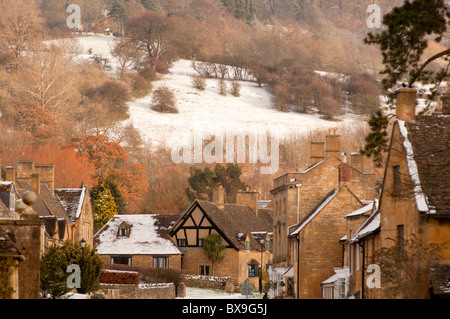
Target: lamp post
260,266
83,245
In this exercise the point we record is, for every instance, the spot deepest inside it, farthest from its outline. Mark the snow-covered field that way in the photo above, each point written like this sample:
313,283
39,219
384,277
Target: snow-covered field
208,110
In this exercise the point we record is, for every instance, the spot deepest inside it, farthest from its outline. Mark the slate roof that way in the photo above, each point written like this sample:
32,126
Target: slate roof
46,204
236,221
72,200
429,138
5,212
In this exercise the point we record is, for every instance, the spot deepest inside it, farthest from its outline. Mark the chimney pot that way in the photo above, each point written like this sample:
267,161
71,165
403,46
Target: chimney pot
406,104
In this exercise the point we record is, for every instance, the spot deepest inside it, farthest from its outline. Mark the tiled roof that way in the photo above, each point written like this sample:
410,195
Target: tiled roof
46,204
235,219
72,199
429,137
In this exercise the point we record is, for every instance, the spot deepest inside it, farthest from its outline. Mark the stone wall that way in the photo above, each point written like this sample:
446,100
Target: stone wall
141,291
210,282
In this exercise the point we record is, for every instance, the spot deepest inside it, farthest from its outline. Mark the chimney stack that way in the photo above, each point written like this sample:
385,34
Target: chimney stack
333,144
445,99
35,183
317,152
219,196
249,198
47,175
406,104
24,170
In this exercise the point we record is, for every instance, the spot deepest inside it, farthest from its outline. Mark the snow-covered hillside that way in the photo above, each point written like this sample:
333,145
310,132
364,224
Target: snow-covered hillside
208,110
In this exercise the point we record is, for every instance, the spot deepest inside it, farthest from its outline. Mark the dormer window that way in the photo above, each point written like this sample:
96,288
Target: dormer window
124,230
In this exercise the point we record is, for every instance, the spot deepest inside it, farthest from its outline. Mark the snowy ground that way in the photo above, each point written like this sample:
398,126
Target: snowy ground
208,110
201,293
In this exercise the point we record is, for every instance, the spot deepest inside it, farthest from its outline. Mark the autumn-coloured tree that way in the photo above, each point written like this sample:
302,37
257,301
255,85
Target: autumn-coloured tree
111,162
105,155
166,192
71,168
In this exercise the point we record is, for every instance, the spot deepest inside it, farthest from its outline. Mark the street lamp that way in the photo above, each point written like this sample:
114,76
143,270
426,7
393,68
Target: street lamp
260,266
83,245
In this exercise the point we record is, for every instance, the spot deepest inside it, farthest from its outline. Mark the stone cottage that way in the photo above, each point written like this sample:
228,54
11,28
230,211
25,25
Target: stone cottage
138,241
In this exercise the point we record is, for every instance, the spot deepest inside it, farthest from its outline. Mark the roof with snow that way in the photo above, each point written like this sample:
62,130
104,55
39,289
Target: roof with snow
370,226
72,200
427,145
327,199
367,209
148,235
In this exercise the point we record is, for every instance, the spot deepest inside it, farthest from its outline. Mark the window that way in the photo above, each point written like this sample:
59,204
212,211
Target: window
160,262
123,232
182,243
267,245
204,271
121,260
401,238
247,245
253,270
86,228
200,242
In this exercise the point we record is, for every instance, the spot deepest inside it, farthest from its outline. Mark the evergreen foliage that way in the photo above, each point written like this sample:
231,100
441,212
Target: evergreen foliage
202,182
407,33
244,10
113,189
54,264
213,248
6,290
105,208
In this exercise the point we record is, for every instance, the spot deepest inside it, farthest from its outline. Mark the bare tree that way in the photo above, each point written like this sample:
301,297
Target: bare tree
126,54
151,33
19,24
44,79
